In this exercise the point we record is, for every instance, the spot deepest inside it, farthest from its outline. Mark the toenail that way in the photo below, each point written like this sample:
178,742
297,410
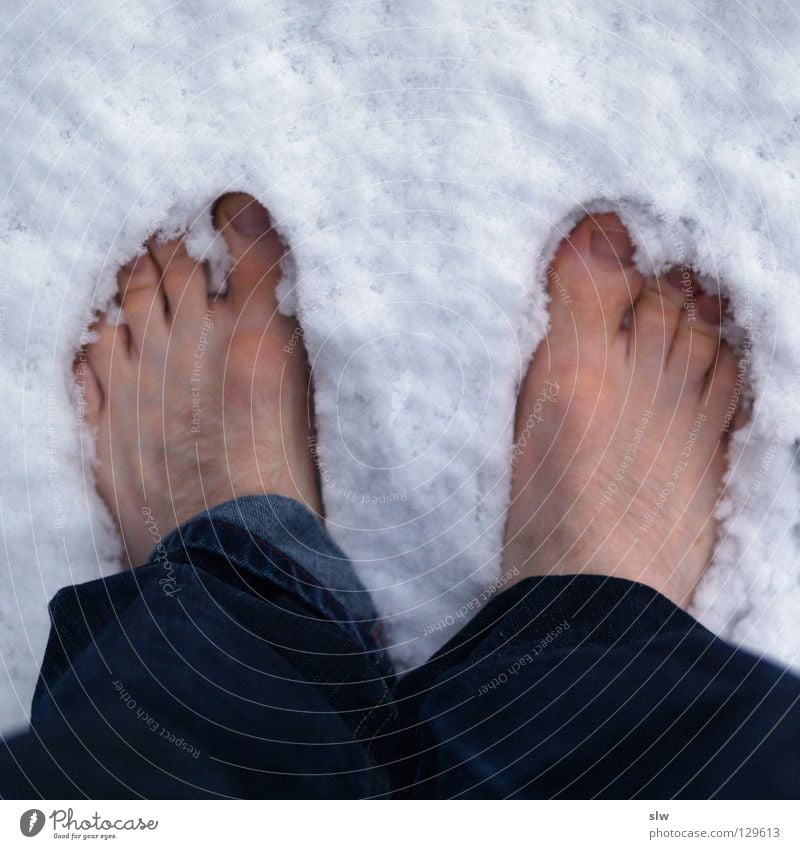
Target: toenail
247,216
612,244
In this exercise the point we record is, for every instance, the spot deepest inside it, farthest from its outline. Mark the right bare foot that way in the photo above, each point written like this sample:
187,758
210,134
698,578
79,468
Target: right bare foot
198,399
622,422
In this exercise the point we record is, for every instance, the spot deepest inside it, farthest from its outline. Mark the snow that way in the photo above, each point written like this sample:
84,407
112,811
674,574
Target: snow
422,159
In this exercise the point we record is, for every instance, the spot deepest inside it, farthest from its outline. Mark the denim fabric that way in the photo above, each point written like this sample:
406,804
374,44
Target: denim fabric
244,660
223,667
272,536
594,687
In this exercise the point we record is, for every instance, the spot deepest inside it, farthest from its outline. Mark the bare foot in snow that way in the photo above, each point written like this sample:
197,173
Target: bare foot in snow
197,399
622,422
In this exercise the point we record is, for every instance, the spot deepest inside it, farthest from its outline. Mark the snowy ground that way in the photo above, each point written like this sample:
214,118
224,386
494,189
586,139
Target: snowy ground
419,157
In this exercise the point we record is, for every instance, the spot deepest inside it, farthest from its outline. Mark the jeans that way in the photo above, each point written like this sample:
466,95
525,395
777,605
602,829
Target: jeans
245,660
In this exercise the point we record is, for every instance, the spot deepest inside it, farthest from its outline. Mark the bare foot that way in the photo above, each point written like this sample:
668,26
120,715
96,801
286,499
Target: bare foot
621,422
198,399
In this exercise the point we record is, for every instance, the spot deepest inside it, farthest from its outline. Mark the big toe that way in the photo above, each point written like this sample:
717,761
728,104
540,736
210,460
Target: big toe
255,247
593,279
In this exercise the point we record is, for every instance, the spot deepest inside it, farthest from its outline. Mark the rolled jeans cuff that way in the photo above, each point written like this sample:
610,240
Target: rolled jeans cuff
279,541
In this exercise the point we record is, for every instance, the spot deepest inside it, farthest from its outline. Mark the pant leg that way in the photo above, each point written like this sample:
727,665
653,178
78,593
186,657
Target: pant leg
241,661
584,687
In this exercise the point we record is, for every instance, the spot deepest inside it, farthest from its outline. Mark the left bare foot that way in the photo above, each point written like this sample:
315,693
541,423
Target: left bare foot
198,399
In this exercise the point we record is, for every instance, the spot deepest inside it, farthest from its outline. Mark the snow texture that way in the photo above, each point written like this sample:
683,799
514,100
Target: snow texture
422,158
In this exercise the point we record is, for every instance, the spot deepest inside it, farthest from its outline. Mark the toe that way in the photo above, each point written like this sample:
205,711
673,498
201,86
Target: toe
255,247
142,298
724,388
710,309
655,319
183,279
593,275
108,351
697,339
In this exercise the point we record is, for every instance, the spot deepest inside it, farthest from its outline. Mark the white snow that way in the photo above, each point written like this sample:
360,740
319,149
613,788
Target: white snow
422,159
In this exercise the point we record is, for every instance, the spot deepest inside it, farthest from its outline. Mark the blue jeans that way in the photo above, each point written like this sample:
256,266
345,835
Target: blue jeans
245,660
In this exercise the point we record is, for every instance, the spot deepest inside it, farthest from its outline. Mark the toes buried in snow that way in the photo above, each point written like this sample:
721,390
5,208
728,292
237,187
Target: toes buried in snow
141,297
254,245
710,310
658,310
595,267
682,279
110,347
141,273
696,344
724,389
609,242
655,319
183,278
